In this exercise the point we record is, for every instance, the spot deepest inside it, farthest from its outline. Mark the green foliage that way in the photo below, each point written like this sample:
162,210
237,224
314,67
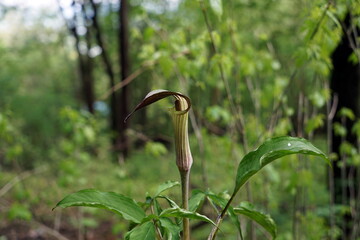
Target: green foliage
14,147
269,151
19,211
217,114
346,113
356,128
247,209
146,226
155,148
216,6
314,123
144,231
268,67
165,186
339,129
182,213
117,203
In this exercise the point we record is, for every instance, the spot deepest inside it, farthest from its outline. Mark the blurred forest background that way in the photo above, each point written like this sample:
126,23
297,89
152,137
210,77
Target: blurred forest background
71,70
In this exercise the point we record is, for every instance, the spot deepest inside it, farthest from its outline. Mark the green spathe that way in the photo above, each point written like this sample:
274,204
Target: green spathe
180,117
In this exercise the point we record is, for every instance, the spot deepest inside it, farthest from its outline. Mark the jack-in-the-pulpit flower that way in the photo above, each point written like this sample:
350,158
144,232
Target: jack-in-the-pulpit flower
179,114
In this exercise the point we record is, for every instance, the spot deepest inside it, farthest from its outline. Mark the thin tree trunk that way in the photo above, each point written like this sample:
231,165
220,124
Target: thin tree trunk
125,70
88,88
85,66
114,100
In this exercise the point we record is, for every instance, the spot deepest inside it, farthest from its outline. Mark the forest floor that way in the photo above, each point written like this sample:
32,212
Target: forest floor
33,230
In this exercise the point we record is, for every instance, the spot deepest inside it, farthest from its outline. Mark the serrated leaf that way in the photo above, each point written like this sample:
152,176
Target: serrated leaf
120,204
182,213
165,186
196,200
172,230
145,231
216,6
262,219
269,151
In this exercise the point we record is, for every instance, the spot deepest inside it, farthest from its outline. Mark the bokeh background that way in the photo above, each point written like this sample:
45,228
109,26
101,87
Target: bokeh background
71,71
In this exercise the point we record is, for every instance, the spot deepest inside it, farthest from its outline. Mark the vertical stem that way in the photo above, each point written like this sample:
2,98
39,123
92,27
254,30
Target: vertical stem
158,232
344,181
185,177
331,110
219,219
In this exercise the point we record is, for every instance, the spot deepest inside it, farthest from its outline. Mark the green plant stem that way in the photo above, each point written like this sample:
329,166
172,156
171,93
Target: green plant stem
219,219
185,177
158,232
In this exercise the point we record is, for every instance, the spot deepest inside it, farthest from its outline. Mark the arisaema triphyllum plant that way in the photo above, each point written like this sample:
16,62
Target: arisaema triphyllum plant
151,220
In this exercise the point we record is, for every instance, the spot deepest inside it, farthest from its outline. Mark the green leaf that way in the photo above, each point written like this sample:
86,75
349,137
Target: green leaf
117,203
145,231
155,148
171,202
196,200
269,151
149,218
219,201
339,129
166,65
262,219
317,99
314,123
356,128
216,6
172,230
19,211
347,113
347,148
165,186
222,203
333,18
182,213
157,207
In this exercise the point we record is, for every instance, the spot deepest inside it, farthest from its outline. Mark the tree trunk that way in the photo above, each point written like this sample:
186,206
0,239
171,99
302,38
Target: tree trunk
88,85
125,71
85,65
115,117
345,83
